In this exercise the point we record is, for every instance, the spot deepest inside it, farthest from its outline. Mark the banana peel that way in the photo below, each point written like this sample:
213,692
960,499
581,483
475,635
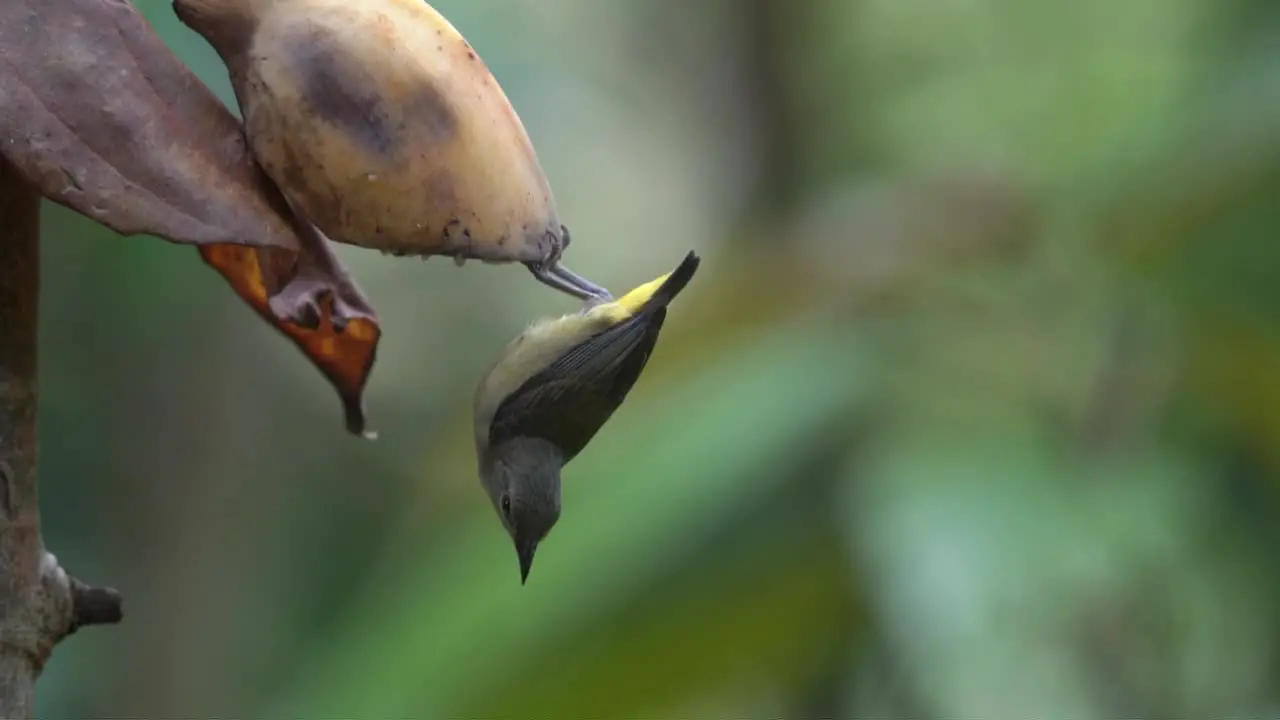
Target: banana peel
385,129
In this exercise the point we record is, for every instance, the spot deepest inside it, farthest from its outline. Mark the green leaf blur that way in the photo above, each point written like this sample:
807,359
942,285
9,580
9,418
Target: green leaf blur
971,410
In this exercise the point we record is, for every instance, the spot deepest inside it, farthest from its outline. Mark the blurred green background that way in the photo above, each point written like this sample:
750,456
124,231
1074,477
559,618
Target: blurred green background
972,410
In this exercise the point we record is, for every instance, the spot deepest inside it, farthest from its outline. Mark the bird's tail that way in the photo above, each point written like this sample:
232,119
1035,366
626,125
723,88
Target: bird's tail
659,292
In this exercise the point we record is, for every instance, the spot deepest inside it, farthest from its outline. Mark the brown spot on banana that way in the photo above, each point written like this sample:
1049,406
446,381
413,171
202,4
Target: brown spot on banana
342,93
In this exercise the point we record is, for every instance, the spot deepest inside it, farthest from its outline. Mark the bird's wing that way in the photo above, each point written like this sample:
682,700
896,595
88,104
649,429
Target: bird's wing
572,398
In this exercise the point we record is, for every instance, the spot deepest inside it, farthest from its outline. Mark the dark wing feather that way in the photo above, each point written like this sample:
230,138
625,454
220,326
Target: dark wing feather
569,401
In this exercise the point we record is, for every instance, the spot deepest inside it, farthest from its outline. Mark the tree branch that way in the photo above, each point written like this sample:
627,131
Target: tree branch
39,603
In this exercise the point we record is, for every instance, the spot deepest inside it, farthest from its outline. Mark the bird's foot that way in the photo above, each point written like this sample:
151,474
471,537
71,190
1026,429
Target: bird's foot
561,278
554,274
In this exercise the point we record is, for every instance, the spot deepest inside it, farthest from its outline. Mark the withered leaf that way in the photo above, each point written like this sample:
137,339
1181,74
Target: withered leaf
310,298
101,116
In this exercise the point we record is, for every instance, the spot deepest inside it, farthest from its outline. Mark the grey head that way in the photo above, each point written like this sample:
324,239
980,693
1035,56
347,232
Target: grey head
522,479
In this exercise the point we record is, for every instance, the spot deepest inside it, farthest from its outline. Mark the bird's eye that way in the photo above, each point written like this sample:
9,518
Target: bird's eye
506,504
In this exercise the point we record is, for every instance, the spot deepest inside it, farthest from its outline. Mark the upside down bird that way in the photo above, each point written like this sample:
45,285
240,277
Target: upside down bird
552,388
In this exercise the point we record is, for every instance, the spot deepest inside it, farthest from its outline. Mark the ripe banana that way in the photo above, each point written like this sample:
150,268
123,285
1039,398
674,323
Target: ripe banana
385,129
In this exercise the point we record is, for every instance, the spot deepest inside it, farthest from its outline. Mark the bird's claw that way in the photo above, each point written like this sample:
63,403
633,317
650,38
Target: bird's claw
552,273
561,278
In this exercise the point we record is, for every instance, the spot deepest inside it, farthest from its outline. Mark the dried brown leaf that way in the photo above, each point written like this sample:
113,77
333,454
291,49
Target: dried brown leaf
99,115
329,319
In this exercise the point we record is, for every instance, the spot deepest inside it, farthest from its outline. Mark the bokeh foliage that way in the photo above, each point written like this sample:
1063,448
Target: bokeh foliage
970,412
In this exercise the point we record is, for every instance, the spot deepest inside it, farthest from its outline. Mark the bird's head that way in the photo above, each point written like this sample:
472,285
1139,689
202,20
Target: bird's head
522,479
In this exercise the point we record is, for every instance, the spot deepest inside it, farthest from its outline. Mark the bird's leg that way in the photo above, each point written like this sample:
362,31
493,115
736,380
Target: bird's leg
547,276
554,274
578,281
566,281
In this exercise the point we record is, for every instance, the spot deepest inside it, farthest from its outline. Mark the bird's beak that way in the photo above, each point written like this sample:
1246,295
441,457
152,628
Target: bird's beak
525,550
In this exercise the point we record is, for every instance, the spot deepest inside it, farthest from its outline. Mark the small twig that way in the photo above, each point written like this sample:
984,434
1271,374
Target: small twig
94,606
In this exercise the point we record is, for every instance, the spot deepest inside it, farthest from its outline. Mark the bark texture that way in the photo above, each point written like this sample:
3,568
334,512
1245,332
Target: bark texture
39,604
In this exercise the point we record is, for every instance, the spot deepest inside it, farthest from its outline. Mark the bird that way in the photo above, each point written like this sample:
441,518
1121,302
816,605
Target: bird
551,390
